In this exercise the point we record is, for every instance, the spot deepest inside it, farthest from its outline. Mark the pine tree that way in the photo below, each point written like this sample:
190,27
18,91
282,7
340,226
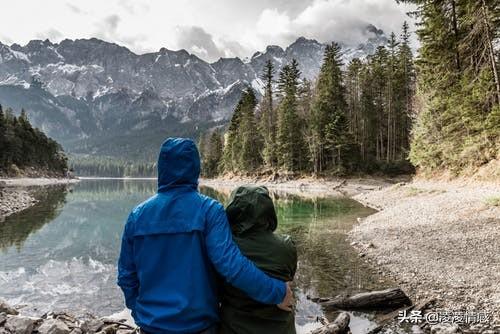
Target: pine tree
457,128
251,141
232,145
305,98
330,125
267,124
23,146
292,155
407,89
354,92
215,153
211,147
242,151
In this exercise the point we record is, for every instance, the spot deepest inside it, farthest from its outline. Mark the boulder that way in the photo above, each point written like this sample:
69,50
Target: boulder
19,325
3,318
92,325
6,308
53,326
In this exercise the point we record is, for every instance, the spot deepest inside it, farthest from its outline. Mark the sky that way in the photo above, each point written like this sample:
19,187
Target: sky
208,28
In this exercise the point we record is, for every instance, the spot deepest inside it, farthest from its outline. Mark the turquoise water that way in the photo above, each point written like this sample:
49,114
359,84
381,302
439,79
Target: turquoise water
61,254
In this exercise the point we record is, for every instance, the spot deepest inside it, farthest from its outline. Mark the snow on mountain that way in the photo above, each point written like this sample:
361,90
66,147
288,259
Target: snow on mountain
78,89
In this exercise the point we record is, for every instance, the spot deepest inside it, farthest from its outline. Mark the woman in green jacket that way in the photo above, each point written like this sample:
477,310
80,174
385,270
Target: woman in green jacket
253,220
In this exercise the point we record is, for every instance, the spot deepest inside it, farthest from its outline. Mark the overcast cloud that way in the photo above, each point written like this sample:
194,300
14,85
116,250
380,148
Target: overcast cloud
209,29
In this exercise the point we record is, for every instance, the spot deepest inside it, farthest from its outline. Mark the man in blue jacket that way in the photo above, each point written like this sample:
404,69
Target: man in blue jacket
173,246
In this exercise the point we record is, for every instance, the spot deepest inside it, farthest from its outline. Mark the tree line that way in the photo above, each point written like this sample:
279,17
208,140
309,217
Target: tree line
354,118
458,128
23,147
111,167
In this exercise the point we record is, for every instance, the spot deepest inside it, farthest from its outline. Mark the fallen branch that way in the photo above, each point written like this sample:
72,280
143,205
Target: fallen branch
339,326
376,300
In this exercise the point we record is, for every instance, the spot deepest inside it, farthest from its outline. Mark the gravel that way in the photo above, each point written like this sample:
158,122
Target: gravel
437,240
16,193
13,200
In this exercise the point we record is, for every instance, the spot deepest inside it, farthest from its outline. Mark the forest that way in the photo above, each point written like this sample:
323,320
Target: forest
25,147
354,118
438,112
458,126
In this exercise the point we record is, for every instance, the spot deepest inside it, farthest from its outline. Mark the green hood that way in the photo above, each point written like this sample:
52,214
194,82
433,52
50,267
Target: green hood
251,208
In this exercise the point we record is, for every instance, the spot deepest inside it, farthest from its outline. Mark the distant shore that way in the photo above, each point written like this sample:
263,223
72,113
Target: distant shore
309,186
16,194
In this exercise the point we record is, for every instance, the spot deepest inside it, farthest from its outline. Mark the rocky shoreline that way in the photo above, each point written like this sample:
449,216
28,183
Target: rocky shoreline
16,194
13,200
11,322
440,241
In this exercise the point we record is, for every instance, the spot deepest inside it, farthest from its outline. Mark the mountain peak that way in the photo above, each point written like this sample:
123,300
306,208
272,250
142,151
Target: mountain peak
303,40
274,49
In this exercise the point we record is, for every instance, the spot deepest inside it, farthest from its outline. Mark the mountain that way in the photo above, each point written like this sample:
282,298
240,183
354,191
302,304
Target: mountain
101,98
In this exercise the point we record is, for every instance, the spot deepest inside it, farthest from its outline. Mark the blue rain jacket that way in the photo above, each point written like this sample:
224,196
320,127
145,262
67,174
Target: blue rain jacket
174,244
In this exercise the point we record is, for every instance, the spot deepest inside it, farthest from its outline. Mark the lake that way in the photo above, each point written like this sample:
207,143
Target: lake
61,254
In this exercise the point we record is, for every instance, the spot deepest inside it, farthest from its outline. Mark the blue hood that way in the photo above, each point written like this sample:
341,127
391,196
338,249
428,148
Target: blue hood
178,164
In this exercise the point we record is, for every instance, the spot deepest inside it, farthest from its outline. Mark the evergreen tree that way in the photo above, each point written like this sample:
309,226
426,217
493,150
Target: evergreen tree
331,137
407,88
290,144
232,145
215,153
268,117
23,146
354,92
242,151
251,141
211,151
457,128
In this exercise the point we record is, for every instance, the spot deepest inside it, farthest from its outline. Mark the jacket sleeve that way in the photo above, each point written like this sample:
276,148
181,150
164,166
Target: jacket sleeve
127,274
233,266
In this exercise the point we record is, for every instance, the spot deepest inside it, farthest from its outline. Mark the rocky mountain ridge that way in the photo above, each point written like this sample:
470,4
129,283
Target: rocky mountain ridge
90,94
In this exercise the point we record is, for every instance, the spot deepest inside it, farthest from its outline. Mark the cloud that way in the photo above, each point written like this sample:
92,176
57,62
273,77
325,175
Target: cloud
328,20
74,8
232,28
201,43
5,40
107,28
111,22
133,7
52,34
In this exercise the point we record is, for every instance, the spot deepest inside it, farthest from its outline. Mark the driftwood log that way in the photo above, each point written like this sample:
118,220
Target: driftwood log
339,326
384,319
376,300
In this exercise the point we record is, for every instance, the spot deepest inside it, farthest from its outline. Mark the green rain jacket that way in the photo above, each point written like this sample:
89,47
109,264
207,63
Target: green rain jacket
253,220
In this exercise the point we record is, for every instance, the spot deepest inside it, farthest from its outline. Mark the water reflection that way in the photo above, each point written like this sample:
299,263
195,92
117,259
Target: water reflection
21,225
